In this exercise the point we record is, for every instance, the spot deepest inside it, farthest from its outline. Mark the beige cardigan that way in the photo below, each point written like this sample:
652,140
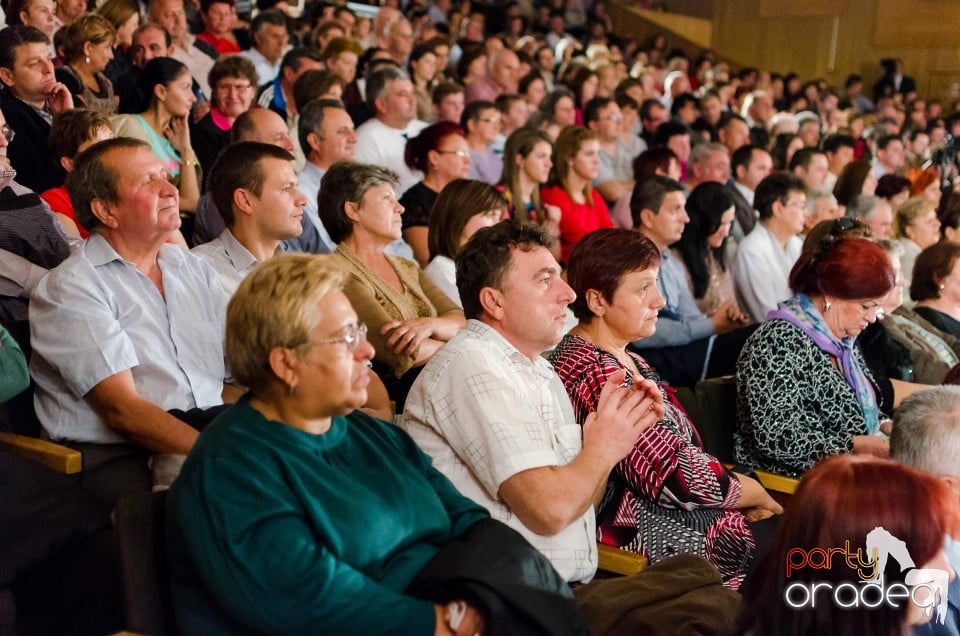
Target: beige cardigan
377,303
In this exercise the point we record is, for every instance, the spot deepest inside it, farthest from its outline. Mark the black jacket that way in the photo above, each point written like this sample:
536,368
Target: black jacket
29,152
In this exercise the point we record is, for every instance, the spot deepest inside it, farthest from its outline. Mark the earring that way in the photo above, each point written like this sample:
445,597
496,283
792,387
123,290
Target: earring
293,387
86,60
941,287
826,306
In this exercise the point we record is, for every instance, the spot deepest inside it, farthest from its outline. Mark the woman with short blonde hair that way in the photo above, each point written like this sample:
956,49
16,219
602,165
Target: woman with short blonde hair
87,49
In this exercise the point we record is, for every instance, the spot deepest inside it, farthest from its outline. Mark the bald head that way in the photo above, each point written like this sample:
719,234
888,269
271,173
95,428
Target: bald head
263,125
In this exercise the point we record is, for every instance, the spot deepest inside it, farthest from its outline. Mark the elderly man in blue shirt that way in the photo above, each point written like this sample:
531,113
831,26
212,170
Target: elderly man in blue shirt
129,327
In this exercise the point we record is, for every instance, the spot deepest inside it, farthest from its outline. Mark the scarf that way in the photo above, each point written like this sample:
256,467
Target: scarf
801,312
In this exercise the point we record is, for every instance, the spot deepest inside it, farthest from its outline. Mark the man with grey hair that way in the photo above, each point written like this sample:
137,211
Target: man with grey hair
821,206
926,436
382,140
708,162
270,40
876,212
326,135
503,68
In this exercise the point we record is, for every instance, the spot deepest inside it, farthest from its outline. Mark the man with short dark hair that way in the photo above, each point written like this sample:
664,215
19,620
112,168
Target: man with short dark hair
481,124
448,101
688,346
254,187
811,166
30,99
839,149
890,157
494,416
766,256
652,114
277,94
733,132
326,135
749,166
128,327
270,37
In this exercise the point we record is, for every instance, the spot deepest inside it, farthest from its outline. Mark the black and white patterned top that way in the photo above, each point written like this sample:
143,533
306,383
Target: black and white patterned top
794,406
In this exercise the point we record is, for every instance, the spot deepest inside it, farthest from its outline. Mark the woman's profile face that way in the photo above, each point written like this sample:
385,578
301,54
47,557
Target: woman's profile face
632,312
586,162
536,165
925,229
452,158
536,91
179,97
332,377
125,30
933,193
378,215
564,112
847,318
716,239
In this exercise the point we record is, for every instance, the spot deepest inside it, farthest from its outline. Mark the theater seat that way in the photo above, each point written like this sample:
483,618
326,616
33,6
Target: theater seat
617,561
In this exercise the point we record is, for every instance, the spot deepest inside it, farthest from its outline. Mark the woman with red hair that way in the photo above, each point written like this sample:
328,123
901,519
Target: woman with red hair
852,504
803,388
926,184
441,152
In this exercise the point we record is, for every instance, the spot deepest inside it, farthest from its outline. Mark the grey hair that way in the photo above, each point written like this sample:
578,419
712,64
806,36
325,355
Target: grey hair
378,80
862,206
701,152
926,431
311,120
893,248
814,197
348,181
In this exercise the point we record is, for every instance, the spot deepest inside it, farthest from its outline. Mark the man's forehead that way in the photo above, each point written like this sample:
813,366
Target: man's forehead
132,163
30,50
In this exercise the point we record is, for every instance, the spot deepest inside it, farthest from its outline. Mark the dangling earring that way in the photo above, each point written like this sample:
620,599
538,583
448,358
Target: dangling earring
826,306
941,287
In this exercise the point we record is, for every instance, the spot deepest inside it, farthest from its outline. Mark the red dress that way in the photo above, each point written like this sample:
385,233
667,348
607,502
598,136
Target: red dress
576,219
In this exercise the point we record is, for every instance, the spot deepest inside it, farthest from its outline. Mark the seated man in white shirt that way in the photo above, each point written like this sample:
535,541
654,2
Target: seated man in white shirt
494,416
381,141
270,38
128,327
254,187
767,254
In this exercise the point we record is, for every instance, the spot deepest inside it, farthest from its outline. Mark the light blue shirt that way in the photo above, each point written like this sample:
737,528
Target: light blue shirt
680,321
229,258
309,183
95,315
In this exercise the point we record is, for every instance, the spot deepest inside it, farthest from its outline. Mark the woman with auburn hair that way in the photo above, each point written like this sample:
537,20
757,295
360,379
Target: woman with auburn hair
926,184
334,521
668,495
808,345
576,160
463,207
441,152
852,504
935,286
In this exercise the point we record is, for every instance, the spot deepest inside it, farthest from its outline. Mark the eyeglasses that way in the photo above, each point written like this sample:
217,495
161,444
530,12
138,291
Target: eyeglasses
8,132
460,153
352,337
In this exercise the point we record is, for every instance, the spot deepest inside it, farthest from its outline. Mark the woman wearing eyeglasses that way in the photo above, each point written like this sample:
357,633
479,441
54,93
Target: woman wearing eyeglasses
482,122
441,152
295,513
409,318
804,390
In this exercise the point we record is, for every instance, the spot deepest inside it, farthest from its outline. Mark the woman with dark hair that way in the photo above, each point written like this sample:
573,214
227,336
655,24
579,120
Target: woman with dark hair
949,214
782,149
472,64
808,345
702,248
463,207
668,486
584,84
440,151
422,67
935,286
893,188
532,89
409,318
662,161
852,502
166,87
855,179
558,107
576,161
526,168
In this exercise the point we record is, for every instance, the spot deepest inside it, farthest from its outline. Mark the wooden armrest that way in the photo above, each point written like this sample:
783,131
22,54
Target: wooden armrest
59,458
619,561
774,482
778,483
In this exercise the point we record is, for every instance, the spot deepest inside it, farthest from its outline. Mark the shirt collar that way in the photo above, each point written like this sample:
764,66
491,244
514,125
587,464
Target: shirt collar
99,251
494,337
240,256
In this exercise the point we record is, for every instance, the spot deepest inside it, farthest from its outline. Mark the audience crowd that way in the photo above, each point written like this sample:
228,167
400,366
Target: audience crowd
400,305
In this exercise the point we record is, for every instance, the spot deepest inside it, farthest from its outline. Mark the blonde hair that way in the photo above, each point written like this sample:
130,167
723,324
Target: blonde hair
90,27
908,213
275,306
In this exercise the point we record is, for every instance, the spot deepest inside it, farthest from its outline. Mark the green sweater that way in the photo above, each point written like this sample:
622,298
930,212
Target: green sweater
14,377
274,530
